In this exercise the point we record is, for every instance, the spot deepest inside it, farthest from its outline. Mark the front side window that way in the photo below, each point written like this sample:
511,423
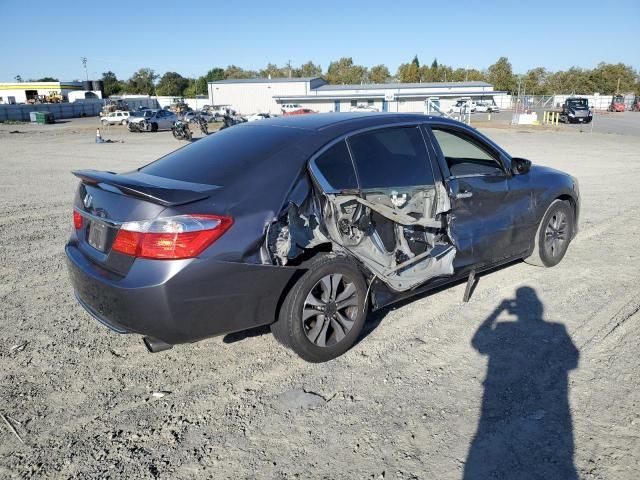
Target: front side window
336,167
392,157
465,155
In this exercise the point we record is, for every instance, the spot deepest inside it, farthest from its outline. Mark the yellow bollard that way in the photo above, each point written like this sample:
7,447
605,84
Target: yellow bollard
544,117
557,117
489,116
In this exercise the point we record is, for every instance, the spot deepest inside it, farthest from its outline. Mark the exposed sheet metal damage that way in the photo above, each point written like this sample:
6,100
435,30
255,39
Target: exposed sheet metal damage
399,237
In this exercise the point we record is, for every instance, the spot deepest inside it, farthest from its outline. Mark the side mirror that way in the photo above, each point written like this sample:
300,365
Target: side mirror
520,166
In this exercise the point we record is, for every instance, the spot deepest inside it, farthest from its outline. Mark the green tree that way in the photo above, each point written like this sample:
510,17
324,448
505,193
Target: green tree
379,74
142,82
172,84
307,70
47,79
273,71
500,74
345,72
235,72
534,81
605,78
416,62
214,75
575,80
408,73
18,78
434,64
112,85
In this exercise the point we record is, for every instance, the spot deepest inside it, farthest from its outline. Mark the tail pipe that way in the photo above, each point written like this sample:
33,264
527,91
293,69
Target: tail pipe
154,345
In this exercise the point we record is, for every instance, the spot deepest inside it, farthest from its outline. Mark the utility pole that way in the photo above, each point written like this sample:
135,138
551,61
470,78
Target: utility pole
618,87
84,63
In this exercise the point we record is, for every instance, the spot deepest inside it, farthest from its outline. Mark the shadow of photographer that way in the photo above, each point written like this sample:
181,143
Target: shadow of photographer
525,428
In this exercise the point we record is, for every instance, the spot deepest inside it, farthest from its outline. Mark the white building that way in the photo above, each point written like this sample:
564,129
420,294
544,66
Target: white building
267,95
21,92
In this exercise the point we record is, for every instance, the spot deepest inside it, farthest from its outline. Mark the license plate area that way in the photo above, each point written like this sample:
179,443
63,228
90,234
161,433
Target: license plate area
97,235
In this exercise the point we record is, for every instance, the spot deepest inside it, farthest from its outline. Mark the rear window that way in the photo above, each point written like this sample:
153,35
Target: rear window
219,158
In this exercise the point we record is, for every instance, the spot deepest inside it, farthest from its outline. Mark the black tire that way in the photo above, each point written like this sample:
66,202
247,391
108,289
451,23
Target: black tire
104,122
123,122
175,134
154,127
553,235
335,332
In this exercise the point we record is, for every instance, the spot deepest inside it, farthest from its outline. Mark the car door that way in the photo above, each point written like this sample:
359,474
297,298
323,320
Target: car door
488,219
386,213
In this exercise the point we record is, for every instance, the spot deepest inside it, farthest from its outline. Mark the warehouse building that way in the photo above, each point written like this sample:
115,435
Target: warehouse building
269,94
29,92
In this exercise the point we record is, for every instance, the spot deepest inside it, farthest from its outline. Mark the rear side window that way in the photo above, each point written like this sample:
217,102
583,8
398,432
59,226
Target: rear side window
221,158
394,157
336,167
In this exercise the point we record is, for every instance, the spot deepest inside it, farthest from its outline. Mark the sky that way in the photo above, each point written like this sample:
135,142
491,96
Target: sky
191,37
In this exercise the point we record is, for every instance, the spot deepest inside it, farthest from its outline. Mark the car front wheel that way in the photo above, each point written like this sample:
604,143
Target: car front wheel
105,122
325,310
553,235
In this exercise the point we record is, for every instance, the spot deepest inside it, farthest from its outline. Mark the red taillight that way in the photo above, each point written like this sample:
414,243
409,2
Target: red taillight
183,236
77,220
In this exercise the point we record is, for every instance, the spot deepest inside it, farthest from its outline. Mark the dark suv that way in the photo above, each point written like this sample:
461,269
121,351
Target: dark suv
305,223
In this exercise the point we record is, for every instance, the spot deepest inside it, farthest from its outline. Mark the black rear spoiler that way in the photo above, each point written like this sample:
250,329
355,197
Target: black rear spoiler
166,192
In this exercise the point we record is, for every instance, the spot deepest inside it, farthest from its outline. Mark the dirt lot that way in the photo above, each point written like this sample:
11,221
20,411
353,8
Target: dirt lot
414,399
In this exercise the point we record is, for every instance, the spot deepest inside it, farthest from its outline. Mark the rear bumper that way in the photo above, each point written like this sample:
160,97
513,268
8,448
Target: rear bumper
179,301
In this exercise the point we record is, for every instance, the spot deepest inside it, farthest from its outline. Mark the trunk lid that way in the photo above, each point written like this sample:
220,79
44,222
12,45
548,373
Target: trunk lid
105,200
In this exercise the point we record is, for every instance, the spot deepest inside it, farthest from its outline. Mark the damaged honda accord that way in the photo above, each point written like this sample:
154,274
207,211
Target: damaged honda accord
306,224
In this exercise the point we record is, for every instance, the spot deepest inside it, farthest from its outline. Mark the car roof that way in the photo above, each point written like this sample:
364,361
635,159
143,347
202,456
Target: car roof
347,120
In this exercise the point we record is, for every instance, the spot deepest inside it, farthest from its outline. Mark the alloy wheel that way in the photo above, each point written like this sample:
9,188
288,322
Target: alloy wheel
330,310
556,234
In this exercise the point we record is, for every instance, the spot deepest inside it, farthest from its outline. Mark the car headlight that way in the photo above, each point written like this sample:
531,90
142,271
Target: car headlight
571,114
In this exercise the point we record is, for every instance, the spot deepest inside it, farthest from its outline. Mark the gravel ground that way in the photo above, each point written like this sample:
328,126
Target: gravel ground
435,390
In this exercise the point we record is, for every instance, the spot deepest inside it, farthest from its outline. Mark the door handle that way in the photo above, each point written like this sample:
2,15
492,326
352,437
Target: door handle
465,194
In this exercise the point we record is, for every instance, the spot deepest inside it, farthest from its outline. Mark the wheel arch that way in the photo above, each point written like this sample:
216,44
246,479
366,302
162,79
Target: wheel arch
574,208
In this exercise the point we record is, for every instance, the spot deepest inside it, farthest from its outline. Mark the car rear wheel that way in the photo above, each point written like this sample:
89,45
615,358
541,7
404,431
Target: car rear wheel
123,122
553,235
325,310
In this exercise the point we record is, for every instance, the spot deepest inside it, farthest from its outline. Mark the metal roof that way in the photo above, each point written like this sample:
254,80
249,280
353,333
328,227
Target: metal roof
353,96
268,80
401,86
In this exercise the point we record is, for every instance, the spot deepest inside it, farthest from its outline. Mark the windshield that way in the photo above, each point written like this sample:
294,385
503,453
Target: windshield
578,102
142,113
618,99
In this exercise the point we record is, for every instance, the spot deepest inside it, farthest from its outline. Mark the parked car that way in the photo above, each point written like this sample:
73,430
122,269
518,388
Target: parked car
462,106
307,223
112,118
158,119
487,107
258,116
364,108
290,107
190,116
301,111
